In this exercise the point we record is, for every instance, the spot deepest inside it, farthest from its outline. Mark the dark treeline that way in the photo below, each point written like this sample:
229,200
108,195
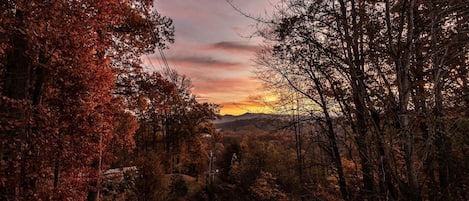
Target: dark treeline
395,72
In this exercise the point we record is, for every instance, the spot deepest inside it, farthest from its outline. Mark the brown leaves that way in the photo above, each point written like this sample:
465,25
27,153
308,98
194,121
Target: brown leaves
266,188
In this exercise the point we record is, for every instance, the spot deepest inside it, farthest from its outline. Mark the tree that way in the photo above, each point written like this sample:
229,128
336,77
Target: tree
172,123
265,188
59,63
151,182
387,67
185,122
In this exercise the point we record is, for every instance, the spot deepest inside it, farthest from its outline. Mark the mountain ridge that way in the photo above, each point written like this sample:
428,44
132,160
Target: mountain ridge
231,118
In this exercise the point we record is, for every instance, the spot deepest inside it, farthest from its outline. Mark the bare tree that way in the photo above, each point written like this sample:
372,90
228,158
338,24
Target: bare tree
391,68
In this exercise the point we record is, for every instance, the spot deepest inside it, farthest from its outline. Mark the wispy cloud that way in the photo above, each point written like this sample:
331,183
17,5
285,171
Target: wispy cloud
233,47
209,49
229,86
203,61
199,61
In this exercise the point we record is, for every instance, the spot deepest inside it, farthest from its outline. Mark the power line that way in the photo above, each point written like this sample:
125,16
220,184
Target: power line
165,61
151,63
160,50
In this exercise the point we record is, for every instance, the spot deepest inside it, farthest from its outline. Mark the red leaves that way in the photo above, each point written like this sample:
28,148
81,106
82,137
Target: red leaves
69,118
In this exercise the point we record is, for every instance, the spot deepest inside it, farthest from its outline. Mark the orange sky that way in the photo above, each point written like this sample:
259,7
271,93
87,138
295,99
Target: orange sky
213,49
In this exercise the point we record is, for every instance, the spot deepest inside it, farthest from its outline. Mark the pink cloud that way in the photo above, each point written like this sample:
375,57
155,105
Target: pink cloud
202,61
231,85
233,47
211,50
199,62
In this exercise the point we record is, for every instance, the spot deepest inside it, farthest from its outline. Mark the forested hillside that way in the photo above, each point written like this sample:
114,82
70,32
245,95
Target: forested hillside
249,121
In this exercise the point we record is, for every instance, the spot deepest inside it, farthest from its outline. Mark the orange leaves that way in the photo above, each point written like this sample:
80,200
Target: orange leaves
136,20
125,125
266,188
142,102
66,114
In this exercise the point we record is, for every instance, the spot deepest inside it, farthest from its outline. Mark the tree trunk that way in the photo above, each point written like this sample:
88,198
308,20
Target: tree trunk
56,170
16,87
353,50
331,135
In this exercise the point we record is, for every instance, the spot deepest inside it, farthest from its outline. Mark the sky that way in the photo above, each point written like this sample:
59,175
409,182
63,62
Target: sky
214,47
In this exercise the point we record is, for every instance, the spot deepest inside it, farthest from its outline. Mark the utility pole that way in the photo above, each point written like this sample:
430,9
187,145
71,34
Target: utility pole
298,143
210,167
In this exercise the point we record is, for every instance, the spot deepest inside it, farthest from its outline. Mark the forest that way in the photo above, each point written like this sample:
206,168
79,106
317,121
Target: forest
373,104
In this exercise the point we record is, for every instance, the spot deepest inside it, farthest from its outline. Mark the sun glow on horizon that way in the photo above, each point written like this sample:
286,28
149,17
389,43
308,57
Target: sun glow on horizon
255,104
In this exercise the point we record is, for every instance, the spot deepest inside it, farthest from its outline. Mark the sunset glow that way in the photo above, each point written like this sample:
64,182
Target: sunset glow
213,49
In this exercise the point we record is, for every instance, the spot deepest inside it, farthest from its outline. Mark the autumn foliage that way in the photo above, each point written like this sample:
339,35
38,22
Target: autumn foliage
63,65
376,94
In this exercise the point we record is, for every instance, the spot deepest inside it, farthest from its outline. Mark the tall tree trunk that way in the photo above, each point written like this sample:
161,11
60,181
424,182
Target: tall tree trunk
353,49
16,87
56,176
298,144
336,157
331,135
401,51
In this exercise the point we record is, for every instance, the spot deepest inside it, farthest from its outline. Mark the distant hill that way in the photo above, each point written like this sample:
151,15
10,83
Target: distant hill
231,118
249,121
